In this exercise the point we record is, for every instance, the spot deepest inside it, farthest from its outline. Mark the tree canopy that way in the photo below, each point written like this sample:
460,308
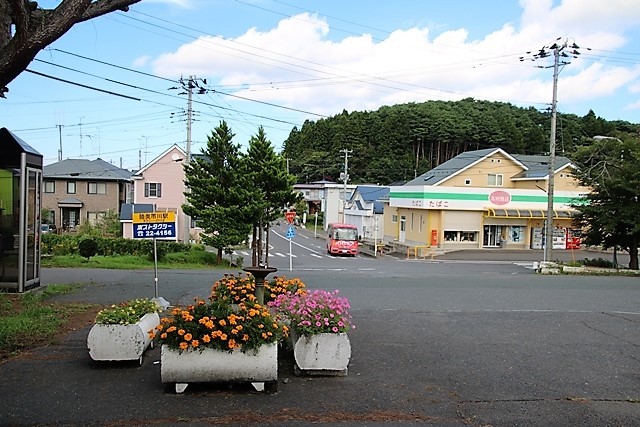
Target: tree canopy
396,143
611,167
26,29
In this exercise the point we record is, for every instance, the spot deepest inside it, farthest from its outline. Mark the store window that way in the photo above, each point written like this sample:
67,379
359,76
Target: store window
517,234
460,236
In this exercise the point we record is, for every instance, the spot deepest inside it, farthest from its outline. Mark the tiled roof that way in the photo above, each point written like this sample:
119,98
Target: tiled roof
86,169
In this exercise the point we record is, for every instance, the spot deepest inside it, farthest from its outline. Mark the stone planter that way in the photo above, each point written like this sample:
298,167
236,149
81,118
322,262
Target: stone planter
121,342
210,365
321,354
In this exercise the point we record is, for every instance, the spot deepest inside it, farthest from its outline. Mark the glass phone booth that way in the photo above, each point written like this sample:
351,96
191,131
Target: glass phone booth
20,194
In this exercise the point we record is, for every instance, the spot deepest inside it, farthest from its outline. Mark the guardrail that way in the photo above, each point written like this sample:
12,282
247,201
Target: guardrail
420,252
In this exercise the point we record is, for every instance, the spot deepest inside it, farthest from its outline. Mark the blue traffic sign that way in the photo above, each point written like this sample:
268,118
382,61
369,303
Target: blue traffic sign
291,232
166,230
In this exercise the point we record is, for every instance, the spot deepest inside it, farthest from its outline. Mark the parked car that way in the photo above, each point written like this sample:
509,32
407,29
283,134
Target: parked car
47,228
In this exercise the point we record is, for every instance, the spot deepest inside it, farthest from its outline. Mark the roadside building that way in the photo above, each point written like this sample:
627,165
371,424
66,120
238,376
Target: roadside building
365,210
484,199
82,190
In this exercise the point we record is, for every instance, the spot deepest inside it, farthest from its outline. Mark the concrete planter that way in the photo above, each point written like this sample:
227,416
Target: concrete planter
322,354
210,365
121,342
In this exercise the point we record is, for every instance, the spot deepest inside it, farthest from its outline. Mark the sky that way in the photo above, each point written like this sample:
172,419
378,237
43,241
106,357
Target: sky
114,87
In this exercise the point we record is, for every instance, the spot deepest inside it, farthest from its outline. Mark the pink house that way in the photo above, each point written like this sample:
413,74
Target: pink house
161,184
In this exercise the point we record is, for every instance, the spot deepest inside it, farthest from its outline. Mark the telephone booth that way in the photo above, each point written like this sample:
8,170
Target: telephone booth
20,182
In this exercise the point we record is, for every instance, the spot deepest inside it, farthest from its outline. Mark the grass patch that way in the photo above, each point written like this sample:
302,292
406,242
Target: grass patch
175,260
31,320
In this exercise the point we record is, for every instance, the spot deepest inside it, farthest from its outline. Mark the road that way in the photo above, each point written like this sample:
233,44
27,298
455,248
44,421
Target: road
445,342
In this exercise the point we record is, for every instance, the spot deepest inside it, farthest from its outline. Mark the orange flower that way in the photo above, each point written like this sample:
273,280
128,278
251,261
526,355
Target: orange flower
181,332
152,334
187,337
206,338
171,329
222,322
223,337
184,345
163,336
260,326
195,343
233,344
245,337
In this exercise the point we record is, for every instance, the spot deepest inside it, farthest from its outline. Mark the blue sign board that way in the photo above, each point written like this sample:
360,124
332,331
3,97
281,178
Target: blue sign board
291,232
162,230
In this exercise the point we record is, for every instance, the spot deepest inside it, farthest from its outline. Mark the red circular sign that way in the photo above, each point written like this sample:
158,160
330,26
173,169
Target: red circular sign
500,197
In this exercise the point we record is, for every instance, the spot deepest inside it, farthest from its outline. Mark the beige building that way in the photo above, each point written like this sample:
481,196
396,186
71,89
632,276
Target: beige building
79,190
484,199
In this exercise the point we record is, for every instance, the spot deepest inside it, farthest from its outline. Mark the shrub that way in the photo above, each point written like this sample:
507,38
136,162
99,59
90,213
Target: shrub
88,248
598,262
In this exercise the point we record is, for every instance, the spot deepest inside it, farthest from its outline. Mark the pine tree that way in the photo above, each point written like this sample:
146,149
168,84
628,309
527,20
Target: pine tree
218,193
274,190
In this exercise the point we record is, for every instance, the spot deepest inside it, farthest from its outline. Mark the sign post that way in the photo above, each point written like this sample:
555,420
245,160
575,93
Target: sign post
290,216
153,225
291,232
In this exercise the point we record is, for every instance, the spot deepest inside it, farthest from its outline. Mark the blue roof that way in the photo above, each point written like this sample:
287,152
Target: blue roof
533,166
371,193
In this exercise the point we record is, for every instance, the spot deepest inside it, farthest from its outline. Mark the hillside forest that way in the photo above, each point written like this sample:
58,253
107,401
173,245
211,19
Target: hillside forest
397,143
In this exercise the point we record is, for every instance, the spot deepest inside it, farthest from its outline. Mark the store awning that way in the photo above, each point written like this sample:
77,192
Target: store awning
525,213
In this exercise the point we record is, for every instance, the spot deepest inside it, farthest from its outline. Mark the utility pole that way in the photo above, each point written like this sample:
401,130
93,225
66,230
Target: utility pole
188,86
558,51
345,179
60,149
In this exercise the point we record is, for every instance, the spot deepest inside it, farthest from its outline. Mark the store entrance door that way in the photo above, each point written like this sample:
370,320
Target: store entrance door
491,236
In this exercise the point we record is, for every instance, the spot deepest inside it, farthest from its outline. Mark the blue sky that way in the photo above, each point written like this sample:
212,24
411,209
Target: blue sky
277,63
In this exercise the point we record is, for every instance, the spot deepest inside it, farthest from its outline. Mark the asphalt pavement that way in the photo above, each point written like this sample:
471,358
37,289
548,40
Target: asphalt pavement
491,362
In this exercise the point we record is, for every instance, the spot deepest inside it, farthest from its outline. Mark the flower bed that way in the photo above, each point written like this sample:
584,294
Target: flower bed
122,332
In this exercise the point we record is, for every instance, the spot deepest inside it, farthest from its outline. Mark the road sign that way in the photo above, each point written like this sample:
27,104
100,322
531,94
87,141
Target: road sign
291,232
290,216
154,225
162,230
150,217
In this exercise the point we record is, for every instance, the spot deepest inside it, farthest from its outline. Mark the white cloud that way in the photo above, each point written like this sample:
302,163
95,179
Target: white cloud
141,61
297,64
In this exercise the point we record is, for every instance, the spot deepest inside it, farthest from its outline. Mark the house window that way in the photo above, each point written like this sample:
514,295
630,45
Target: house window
411,221
71,187
95,217
467,182
49,186
152,189
96,188
394,218
420,225
495,180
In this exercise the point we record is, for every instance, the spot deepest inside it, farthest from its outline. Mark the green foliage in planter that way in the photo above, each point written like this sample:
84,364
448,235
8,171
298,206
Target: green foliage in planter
127,313
88,248
598,262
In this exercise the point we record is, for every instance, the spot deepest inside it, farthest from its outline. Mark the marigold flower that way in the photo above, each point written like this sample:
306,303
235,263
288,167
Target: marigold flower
171,329
187,337
222,322
184,345
195,343
181,332
163,336
206,338
223,337
232,344
245,337
152,334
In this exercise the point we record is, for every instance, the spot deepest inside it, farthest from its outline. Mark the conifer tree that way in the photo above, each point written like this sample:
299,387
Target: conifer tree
273,187
218,196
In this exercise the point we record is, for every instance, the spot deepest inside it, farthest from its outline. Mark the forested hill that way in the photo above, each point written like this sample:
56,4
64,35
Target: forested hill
396,143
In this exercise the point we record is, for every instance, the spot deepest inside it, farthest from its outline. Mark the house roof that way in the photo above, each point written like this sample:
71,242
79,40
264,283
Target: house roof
96,169
127,209
371,193
140,172
533,167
